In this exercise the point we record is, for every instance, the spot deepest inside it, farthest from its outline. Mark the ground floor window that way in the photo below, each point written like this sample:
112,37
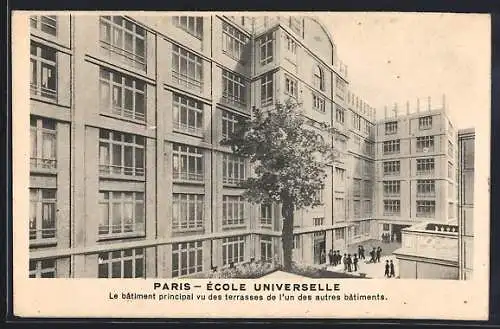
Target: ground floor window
266,248
187,258
127,263
233,250
45,268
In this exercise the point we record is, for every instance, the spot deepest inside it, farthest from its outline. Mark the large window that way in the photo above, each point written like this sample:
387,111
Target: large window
391,147
425,166
426,187
233,169
233,250
43,143
392,168
45,268
356,121
319,78
229,122
339,115
266,89
187,258
187,163
319,103
266,248
233,42
425,122
187,69
391,127
356,190
392,207
266,214
122,95
233,210
119,36
121,213
43,79
340,88
234,88
266,49
425,144
291,86
127,263
187,115
46,23
187,211
426,208
121,153
191,24
392,187
42,222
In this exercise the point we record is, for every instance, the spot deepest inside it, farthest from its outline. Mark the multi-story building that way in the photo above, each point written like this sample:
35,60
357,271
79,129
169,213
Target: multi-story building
128,177
466,143
416,166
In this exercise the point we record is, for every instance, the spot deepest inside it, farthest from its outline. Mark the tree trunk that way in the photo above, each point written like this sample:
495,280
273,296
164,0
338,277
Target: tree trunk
287,234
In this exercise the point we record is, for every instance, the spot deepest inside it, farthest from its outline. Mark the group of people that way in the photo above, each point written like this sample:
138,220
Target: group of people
375,255
389,269
351,262
387,237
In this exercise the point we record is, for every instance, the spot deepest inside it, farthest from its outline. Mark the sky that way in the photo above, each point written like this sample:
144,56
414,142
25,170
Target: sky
399,57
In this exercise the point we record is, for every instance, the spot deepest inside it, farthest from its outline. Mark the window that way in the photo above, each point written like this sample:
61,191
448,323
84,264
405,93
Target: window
187,258
357,208
296,241
386,227
121,153
187,69
47,24
368,189
392,188
233,250
233,210
43,143
340,115
339,175
467,153
187,115
229,122
319,221
392,207
369,148
319,78
426,187
291,46
367,208
122,38
340,208
339,234
121,213
366,127
296,25
127,263
425,122
356,190
340,88
233,169
426,208
266,248
425,144
450,149
42,222
266,49
266,214
122,95
187,211
318,196
191,24
319,103
425,166
45,268
233,88
391,127
187,163
391,147
266,89
391,168
233,42
356,121
450,170
43,62
291,86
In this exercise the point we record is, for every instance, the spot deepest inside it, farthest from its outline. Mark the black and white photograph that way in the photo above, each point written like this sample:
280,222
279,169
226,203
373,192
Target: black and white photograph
266,146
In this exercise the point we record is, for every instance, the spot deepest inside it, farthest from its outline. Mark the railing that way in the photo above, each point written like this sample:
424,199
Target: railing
232,180
426,194
188,129
43,235
187,225
130,58
116,229
43,91
185,80
233,100
120,170
425,172
442,228
188,176
266,221
128,113
233,222
39,163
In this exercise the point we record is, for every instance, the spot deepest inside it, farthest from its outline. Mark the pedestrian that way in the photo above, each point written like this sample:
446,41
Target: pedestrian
392,274
387,266
349,263
355,262
339,258
330,257
372,255
345,262
322,257
359,250
379,252
362,255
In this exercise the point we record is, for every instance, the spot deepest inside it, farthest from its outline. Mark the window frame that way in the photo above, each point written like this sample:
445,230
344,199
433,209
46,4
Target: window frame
112,199
43,211
108,258
41,133
196,21
44,59
183,158
192,64
192,109
237,246
37,22
184,207
237,83
233,205
266,46
182,254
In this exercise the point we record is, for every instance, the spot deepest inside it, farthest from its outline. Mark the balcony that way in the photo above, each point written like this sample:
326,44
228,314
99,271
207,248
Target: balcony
187,81
43,91
116,170
43,236
188,129
129,58
125,229
43,164
186,176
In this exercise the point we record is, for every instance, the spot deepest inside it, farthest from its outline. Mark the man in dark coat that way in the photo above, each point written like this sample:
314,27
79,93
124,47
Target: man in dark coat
355,262
330,257
372,255
387,266
349,263
392,274
362,253
344,259
379,252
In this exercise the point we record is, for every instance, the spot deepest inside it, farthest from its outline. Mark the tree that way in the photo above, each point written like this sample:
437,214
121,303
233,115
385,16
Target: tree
289,155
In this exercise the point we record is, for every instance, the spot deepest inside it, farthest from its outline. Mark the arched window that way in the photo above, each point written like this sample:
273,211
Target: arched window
319,78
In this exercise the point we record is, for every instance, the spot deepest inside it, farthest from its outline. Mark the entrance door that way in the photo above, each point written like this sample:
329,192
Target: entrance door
319,247
396,231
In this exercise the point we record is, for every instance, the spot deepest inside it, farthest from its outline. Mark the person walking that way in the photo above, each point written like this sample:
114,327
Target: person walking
379,252
362,253
344,260
387,269
349,263
392,273
372,255
330,257
355,262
